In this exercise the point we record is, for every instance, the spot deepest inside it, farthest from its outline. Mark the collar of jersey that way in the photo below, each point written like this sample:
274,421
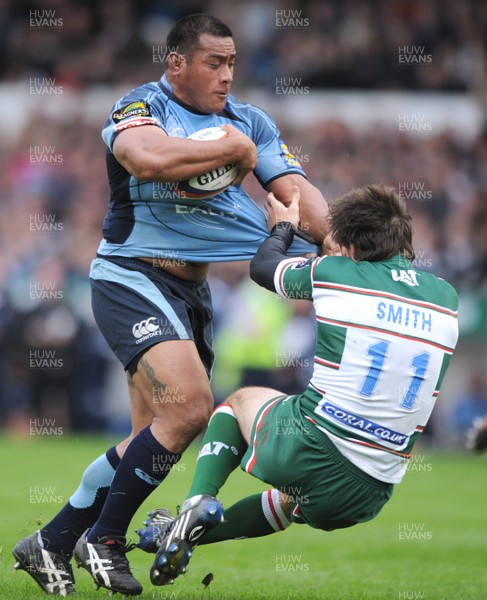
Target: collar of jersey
399,259
167,89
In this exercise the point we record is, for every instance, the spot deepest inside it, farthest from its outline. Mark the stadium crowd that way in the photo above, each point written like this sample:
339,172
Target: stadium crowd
54,193
52,207
337,43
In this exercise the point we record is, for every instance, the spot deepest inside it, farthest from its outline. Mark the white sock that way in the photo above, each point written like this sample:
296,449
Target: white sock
273,512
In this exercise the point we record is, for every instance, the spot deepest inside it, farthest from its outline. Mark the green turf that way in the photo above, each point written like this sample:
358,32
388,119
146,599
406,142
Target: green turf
430,541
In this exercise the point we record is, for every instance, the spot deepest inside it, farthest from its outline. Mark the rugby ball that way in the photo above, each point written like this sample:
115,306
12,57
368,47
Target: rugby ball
212,182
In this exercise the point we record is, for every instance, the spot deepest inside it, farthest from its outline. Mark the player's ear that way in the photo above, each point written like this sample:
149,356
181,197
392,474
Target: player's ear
174,62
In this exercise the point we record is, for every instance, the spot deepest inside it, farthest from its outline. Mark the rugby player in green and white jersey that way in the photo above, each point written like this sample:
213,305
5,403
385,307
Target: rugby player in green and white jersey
386,332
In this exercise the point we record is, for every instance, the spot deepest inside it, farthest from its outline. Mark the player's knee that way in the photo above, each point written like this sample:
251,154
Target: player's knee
246,395
197,416
184,419
189,430
187,398
238,397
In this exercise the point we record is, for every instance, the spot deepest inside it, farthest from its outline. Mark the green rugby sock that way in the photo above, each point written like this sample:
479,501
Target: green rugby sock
222,449
254,516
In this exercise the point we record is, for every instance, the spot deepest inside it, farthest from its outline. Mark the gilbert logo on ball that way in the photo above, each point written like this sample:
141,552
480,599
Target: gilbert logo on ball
212,182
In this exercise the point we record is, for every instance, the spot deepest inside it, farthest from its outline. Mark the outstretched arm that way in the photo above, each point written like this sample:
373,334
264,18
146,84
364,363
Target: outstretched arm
282,222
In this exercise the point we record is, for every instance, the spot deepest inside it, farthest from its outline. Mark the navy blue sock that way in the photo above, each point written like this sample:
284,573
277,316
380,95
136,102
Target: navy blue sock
143,467
83,508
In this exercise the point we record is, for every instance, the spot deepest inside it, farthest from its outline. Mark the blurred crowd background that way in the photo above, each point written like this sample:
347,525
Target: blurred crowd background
332,43
54,364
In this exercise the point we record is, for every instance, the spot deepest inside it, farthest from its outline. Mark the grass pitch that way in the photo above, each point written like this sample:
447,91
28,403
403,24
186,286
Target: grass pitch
429,542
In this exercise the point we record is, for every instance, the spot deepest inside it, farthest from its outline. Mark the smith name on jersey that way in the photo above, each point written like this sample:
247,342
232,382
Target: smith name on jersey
155,219
385,336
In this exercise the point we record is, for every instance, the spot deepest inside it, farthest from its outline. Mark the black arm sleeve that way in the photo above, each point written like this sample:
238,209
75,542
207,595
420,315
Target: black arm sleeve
270,254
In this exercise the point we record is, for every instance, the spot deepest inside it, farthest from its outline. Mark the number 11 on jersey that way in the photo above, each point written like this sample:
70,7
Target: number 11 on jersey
378,353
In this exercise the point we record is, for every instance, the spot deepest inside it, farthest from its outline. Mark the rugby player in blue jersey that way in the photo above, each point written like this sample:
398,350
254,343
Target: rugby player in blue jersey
149,291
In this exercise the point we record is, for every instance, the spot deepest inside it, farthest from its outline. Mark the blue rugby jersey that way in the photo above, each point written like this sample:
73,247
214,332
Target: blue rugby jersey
147,218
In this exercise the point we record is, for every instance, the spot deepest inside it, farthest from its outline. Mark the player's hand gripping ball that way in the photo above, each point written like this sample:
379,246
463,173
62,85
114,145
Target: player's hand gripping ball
212,182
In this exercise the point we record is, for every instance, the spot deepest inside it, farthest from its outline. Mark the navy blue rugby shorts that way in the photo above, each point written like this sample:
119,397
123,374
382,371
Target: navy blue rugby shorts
137,306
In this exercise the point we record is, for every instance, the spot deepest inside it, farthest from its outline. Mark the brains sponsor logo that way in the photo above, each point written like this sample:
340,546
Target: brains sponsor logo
135,109
146,329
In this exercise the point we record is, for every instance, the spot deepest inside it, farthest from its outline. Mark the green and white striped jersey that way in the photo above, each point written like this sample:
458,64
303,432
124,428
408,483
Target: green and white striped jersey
385,335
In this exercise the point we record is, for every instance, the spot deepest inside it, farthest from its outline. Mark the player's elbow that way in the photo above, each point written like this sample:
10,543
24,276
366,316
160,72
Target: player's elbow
139,165
141,172
262,273
254,271
143,165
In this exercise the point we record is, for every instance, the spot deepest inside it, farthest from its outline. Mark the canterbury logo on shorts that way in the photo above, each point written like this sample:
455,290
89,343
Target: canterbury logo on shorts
148,327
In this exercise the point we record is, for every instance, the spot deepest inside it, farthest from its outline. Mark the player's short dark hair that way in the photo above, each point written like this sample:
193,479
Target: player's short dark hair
185,33
375,220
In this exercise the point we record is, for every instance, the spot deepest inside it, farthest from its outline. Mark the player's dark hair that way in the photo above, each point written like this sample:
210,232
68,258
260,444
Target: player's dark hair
185,33
375,220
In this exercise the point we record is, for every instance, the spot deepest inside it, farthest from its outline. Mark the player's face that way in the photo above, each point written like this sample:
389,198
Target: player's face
204,80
